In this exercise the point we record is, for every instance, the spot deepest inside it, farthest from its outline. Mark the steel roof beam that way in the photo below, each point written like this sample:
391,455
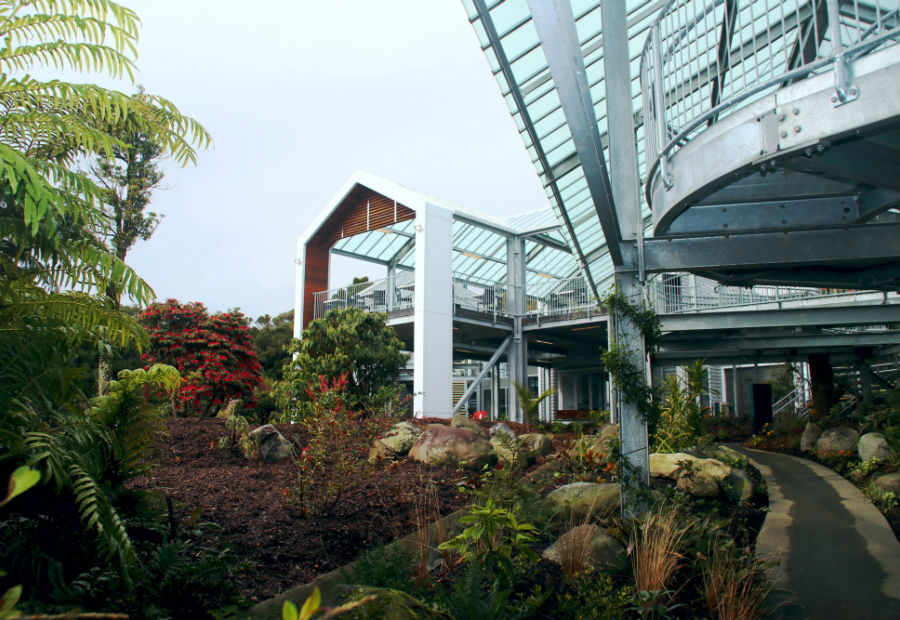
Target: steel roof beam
497,45
555,24
858,244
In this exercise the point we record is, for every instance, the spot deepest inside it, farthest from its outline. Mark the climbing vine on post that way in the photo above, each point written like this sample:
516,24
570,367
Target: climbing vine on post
617,360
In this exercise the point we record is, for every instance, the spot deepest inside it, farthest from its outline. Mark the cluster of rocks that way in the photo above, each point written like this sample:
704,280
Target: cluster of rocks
845,441
463,443
700,473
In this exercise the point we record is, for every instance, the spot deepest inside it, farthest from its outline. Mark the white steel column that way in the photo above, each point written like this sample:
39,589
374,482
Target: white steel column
299,289
433,331
518,350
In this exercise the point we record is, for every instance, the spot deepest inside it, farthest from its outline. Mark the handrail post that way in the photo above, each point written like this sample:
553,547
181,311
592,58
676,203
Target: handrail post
660,107
844,91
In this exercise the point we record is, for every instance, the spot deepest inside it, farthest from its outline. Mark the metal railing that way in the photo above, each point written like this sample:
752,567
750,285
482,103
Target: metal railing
480,295
704,59
679,293
390,294
556,297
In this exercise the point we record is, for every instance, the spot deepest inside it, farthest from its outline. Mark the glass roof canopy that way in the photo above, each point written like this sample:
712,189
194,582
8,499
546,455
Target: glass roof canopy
512,45
479,245
766,32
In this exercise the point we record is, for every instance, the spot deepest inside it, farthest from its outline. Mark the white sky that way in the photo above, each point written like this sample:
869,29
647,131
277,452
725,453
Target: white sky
297,95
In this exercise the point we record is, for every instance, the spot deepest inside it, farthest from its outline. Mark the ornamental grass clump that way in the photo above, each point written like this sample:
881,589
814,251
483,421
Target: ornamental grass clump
575,544
656,548
735,584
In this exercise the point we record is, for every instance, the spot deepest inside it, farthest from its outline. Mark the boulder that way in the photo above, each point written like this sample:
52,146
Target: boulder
716,469
538,443
589,546
720,453
810,436
451,445
698,483
580,498
608,433
546,472
837,440
508,448
888,483
500,427
461,420
387,603
873,446
396,443
664,465
741,484
272,445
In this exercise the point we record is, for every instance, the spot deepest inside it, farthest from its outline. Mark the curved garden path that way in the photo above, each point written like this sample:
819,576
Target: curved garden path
839,559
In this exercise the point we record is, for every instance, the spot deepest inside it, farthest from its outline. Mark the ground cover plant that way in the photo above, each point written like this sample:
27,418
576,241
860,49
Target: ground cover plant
687,557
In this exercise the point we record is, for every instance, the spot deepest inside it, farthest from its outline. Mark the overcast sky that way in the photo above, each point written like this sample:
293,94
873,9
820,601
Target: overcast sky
297,95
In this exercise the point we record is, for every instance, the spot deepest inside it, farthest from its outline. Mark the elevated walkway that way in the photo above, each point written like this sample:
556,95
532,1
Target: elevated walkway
772,136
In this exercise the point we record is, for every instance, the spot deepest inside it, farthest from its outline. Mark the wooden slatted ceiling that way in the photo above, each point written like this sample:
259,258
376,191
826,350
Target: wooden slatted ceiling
363,210
315,278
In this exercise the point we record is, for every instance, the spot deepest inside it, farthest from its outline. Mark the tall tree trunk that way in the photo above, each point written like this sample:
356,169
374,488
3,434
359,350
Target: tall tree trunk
103,373
103,363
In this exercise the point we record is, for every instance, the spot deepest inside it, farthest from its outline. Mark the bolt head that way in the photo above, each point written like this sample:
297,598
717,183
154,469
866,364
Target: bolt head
797,129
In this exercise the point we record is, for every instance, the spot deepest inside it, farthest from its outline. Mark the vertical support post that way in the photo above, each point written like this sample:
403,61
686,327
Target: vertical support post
659,107
518,350
632,426
390,292
735,391
433,330
624,182
553,404
495,391
844,90
299,290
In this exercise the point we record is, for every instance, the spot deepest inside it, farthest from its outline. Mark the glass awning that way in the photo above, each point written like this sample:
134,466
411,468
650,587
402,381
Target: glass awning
764,35
512,45
479,245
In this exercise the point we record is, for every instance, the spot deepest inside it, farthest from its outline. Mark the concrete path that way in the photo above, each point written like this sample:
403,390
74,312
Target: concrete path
838,558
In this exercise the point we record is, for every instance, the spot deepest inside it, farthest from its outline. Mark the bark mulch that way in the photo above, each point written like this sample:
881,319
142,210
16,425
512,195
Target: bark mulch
251,501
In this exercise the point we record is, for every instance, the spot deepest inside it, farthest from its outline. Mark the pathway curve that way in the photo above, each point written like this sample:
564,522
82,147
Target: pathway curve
839,559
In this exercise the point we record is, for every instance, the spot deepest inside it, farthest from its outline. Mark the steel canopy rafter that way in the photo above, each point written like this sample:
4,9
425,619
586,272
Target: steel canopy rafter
495,43
555,24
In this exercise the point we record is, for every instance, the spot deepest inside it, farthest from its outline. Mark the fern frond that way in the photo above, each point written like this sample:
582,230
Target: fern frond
71,315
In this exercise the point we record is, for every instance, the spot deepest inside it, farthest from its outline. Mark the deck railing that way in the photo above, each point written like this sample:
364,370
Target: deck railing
680,293
390,294
704,59
675,293
558,297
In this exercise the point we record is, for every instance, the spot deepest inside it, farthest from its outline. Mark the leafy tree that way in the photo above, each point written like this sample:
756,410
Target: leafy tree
271,339
213,353
52,272
350,341
128,179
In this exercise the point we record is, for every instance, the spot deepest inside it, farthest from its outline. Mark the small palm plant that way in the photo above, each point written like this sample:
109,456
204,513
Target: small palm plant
530,403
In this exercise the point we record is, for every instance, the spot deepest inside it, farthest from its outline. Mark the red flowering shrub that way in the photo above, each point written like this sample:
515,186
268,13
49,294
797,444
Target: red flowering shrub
214,354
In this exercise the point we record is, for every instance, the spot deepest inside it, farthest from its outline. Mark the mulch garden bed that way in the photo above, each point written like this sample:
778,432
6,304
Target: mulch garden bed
251,501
